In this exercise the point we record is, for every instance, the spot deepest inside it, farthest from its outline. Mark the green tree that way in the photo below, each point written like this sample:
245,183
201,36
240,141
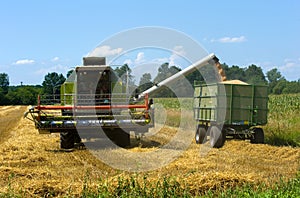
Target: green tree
234,72
4,82
255,75
291,87
194,76
206,74
164,71
13,98
2,97
27,94
145,82
280,86
52,82
124,72
273,77
21,95
70,72
173,70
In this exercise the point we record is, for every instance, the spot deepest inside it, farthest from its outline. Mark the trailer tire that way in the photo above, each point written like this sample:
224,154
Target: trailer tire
217,138
200,136
66,140
258,137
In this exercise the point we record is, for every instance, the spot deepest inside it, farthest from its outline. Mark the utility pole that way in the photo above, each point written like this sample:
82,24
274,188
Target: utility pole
127,82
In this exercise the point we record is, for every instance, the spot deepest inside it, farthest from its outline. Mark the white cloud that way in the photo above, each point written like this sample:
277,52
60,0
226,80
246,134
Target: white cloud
160,60
289,68
24,61
140,62
289,64
230,39
172,59
178,49
140,58
128,62
105,51
55,59
177,52
57,68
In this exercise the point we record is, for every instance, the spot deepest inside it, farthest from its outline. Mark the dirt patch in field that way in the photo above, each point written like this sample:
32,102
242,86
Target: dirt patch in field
35,165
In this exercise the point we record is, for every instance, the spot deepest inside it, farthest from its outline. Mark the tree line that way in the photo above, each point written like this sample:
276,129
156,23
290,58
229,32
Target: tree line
252,74
27,94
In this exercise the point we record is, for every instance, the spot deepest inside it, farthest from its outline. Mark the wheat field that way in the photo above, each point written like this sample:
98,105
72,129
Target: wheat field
34,165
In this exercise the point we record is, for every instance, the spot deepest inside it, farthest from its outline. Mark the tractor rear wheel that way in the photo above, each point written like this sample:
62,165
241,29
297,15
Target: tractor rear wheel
217,138
258,137
66,140
200,135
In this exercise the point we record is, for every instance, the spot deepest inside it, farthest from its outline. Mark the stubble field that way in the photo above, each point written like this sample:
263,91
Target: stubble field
33,165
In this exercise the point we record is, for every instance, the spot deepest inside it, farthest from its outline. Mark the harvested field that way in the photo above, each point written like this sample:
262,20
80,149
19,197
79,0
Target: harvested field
34,164
9,116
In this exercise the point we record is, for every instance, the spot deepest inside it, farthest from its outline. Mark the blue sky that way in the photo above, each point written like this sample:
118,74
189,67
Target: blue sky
37,37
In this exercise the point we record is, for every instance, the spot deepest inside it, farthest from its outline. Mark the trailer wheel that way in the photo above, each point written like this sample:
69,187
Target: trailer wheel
259,137
217,138
200,135
66,140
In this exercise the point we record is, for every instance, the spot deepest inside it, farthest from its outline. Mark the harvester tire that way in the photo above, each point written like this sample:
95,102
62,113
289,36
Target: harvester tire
119,137
77,138
200,136
66,140
124,139
217,138
258,136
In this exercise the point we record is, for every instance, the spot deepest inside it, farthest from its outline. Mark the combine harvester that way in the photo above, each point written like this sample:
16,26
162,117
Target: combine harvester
94,97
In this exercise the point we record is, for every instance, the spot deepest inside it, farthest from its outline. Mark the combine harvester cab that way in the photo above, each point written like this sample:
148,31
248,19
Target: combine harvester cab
92,97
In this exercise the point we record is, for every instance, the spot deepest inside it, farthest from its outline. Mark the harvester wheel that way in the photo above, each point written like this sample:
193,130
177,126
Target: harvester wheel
119,137
124,139
77,138
258,137
66,140
217,138
200,135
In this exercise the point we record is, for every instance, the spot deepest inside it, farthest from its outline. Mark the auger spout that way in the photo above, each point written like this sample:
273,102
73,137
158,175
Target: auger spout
210,59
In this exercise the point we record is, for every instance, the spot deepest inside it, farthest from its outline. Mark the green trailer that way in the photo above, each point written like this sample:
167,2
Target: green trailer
230,110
